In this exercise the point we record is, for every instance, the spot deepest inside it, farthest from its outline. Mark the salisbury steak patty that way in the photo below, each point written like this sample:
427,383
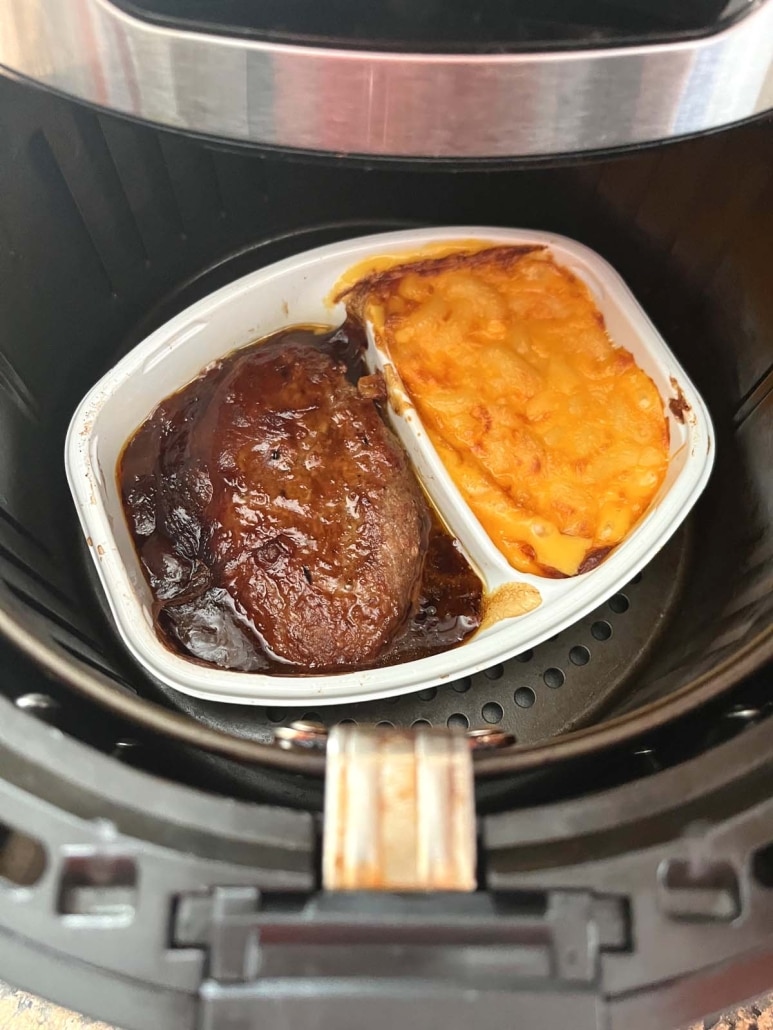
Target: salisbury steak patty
318,528
278,490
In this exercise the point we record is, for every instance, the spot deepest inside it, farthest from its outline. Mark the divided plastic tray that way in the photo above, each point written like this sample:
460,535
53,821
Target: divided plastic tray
296,291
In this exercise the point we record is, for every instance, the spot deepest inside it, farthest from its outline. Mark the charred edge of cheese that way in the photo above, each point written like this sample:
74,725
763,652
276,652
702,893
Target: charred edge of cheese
508,602
362,282
375,265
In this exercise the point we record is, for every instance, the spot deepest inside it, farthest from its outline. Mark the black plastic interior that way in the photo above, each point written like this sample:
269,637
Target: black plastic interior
487,25
106,227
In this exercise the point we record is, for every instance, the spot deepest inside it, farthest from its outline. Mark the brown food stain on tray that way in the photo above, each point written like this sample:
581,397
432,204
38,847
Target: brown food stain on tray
678,404
398,398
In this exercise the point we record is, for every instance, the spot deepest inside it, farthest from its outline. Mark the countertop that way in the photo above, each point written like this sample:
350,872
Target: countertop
22,1011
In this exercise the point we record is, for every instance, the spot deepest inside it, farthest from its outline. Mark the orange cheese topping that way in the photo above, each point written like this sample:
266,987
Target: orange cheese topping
555,437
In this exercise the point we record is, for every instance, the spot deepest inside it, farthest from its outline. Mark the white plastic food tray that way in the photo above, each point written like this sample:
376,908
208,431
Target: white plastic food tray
295,291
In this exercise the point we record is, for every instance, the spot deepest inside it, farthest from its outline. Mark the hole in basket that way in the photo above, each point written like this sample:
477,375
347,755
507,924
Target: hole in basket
276,714
495,672
127,750
762,866
36,703
122,747
311,717
463,685
637,578
619,604
428,694
347,722
386,723
553,678
525,697
525,657
579,655
492,712
22,858
458,720
419,722
601,631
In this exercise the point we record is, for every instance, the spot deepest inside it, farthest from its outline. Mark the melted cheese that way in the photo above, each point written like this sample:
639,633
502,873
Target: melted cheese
554,436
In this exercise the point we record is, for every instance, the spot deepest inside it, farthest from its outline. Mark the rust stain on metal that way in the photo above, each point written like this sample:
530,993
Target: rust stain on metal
399,811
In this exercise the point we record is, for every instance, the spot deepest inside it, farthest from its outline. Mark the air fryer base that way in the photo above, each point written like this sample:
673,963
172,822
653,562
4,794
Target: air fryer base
222,920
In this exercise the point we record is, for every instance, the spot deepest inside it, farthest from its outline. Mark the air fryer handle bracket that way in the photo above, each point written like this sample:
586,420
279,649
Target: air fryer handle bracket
227,944
321,957
314,1005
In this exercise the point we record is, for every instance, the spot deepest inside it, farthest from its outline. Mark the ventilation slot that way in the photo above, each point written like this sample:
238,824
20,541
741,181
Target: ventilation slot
21,566
762,866
23,532
51,616
85,253
706,894
99,888
16,389
97,666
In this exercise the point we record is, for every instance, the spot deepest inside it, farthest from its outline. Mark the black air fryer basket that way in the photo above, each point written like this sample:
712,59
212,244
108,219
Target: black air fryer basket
159,855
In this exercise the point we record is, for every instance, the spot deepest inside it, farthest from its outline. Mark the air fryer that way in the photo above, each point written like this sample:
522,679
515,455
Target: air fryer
159,855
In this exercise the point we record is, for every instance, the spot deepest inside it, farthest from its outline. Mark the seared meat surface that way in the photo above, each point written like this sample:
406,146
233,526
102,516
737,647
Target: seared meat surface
278,521
318,529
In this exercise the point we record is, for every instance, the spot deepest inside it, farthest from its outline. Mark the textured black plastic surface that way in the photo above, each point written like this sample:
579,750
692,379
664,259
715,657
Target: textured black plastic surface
101,222
226,929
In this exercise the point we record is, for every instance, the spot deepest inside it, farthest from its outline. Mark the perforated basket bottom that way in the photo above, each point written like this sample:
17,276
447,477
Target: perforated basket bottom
560,685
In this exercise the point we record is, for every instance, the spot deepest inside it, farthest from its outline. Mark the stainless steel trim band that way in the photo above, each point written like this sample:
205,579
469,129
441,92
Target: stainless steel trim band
391,104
